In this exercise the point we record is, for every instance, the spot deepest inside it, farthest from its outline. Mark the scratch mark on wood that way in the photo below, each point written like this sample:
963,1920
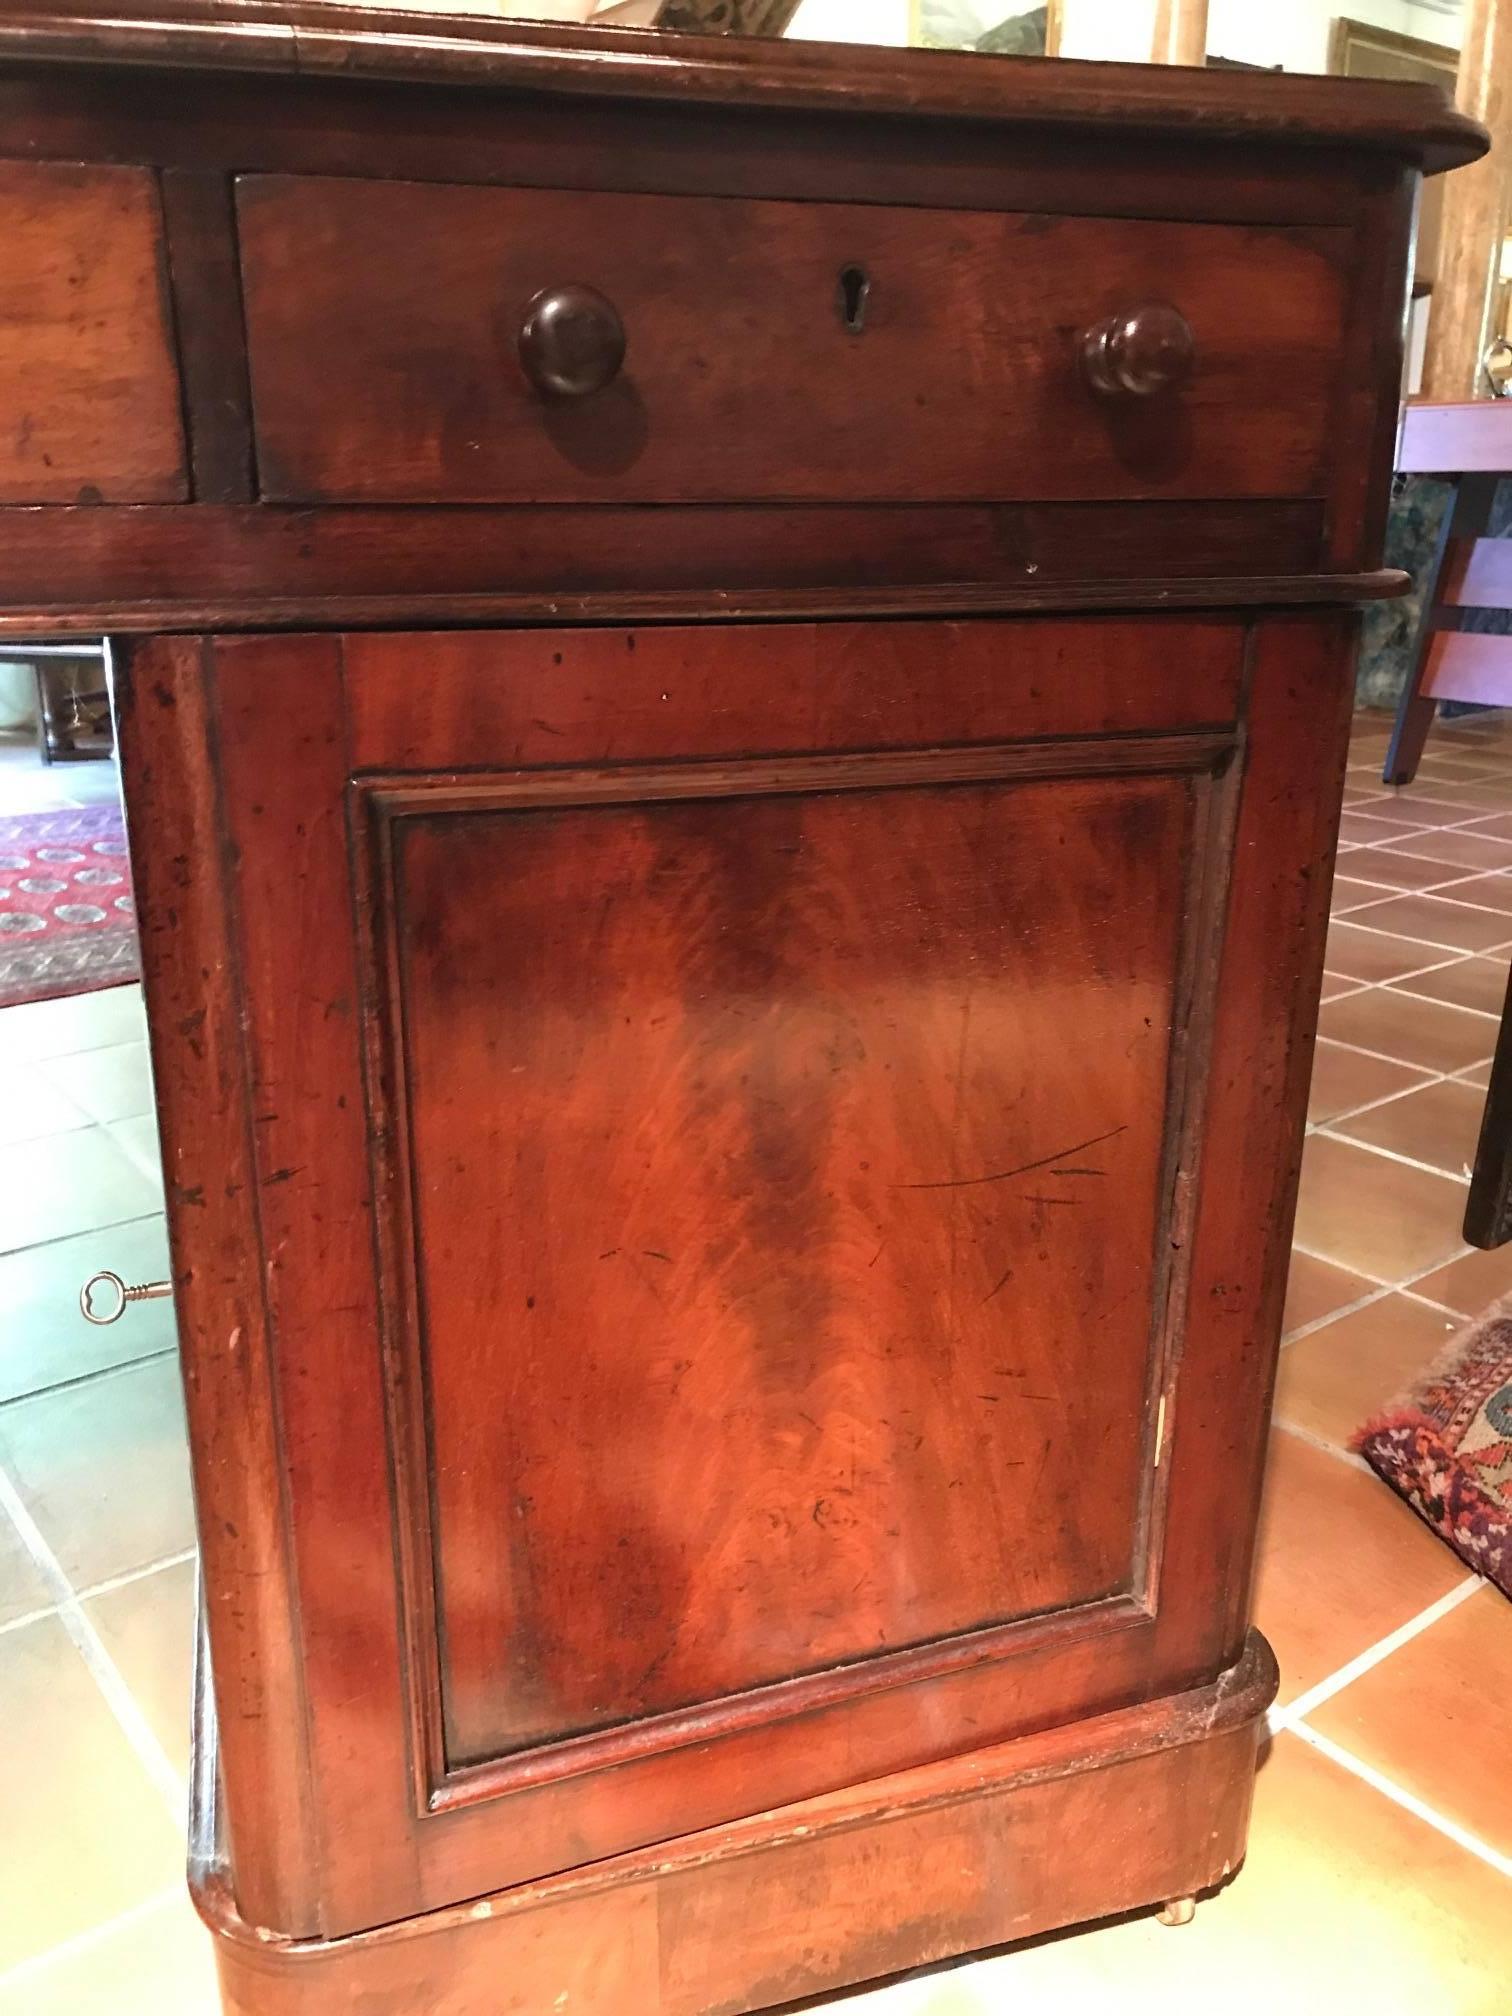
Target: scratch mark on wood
1023,1168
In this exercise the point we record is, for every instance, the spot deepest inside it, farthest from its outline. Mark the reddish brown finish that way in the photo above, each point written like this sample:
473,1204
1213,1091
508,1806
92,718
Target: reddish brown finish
730,1165
963,383
87,383
842,1889
777,1025
533,698
181,876
263,567
306,38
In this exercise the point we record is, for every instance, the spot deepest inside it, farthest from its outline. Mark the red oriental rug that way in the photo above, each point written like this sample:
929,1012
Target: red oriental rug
1446,1446
67,922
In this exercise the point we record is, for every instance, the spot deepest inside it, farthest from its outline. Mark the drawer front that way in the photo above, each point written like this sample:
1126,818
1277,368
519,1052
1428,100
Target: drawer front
723,1108
774,350
88,383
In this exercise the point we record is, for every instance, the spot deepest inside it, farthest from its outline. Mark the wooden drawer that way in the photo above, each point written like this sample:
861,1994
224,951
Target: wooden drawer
383,322
88,382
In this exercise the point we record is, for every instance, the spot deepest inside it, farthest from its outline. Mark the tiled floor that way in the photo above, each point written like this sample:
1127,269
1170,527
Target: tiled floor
1380,1871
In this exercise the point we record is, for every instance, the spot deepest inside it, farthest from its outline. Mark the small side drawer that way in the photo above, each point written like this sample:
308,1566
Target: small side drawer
773,350
88,383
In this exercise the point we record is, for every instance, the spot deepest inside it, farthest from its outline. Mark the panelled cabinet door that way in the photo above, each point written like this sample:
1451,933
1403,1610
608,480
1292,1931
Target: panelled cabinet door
725,1105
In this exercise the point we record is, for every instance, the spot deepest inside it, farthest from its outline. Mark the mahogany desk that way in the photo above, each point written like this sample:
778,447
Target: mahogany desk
735,664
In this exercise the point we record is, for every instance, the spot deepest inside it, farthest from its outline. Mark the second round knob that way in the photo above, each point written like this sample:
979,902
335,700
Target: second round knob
572,341
1139,352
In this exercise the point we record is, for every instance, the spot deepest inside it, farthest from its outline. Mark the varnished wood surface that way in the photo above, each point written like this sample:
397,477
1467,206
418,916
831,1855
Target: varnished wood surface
536,699
797,1026
87,376
844,1889
273,612
1415,120
194,1005
256,558
964,381
653,988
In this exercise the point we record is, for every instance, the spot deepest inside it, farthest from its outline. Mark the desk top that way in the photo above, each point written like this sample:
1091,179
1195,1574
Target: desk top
1414,122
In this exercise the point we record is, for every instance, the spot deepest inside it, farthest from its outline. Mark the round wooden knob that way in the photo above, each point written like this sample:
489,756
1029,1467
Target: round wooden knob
1139,352
572,342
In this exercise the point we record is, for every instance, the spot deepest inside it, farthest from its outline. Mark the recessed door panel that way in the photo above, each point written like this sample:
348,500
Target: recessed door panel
785,1177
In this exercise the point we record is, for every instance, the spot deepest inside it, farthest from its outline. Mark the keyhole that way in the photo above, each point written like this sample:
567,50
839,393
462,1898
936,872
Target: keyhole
854,288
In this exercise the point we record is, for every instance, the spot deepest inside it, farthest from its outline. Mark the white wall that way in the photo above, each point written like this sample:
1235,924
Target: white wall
1291,33
1295,33
878,21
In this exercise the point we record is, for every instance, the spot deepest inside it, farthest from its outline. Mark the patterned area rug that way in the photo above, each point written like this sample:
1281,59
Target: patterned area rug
67,922
1446,1446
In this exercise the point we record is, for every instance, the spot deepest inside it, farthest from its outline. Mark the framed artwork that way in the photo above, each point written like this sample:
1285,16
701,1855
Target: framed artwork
986,25
1356,49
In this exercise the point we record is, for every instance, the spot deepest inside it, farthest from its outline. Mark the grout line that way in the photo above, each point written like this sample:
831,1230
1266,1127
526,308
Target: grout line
81,1942
1352,919
1400,1796
1460,1252
78,1379
1393,1155
1321,1443
151,1166
132,1218
91,1649
1396,987
1283,1717
1344,1309
106,1588
1428,1302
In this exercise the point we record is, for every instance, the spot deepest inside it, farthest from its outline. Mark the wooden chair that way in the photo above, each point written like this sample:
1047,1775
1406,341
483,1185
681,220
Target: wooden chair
1470,447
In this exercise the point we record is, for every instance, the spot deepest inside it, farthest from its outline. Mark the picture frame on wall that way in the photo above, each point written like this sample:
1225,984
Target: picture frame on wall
1358,49
993,27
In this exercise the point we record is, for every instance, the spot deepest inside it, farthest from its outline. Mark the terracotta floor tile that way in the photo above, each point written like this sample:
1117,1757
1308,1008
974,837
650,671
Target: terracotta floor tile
1458,848
73,1022
112,1083
1471,1283
22,1590
1316,1288
66,1183
1375,1216
1436,1717
103,1469
1413,810
1333,1380
1497,824
1377,955
1337,984
1364,827
1478,1075
157,1962
1487,892
1343,1079
148,1629
1413,1031
1465,983
1349,894
1397,870
84,1834
34,1106
1342,1561
1438,1125
46,1340
1437,922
